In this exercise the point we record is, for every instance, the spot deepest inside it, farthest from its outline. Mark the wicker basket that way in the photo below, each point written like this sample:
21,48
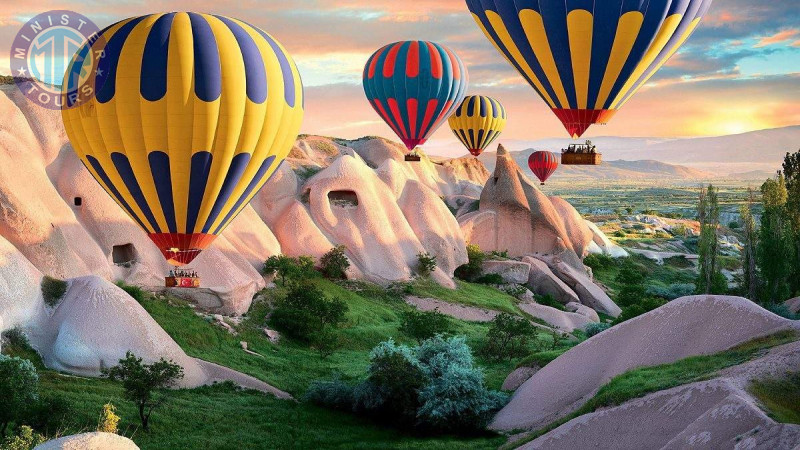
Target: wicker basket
583,159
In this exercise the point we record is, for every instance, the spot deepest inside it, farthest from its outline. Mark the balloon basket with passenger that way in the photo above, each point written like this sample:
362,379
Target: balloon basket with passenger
413,156
581,155
183,278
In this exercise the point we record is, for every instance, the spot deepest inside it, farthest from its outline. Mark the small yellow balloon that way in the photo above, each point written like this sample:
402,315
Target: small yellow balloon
477,122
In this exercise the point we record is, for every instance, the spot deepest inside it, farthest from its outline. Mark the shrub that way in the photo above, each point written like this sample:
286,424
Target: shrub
334,394
733,225
426,264
326,342
645,305
108,421
596,328
620,234
19,388
136,292
455,397
422,325
306,310
144,383
514,290
14,337
673,291
471,269
25,439
49,414
490,278
783,311
631,277
334,263
548,300
508,336
53,290
497,254
289,269
598,261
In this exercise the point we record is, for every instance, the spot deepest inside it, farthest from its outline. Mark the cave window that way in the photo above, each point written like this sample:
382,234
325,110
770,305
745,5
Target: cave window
78,201
123,254
343,199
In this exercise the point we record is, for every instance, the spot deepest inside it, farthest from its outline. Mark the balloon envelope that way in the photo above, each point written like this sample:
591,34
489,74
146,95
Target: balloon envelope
478,120
192,115
586,58
414,86
543,164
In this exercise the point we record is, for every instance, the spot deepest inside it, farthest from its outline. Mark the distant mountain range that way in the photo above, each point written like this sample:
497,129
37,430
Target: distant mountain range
753,155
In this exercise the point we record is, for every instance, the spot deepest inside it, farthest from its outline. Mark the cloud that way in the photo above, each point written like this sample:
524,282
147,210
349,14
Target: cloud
781,36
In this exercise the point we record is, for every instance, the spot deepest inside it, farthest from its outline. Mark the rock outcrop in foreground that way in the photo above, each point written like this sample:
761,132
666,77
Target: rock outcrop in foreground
89,441
684,327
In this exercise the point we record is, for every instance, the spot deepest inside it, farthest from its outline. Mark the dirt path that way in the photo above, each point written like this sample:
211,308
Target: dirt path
468,313
219,373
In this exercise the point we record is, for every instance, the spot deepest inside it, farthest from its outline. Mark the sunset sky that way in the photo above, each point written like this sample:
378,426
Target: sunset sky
739,72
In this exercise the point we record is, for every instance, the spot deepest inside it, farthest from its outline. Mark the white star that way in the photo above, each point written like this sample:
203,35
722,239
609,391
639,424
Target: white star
22,72
99,72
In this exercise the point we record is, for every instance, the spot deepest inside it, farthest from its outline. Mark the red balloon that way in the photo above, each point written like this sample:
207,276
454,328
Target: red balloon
543,164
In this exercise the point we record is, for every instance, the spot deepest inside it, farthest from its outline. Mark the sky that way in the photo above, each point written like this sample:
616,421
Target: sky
739,72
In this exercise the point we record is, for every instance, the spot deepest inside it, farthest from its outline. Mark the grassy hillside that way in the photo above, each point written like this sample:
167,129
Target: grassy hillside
223,416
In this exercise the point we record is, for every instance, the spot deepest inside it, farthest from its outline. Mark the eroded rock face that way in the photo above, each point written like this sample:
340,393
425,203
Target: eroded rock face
602,244
514,215
95,324
681,328
793,304
563,320
512,271
542,281
89,441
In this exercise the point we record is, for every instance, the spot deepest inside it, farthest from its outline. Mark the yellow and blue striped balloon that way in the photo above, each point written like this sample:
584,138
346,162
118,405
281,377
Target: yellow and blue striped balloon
586,58
477,121
192,114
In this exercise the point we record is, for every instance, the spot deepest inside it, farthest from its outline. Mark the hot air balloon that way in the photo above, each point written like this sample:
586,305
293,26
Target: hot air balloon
543,164
478,120
586,58
414,86
193,114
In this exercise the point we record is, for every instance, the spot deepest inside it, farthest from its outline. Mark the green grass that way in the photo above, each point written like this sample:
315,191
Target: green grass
673,271
471,294
780,397
641,381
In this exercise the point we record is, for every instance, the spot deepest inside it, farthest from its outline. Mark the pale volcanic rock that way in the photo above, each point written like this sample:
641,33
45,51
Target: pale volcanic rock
582,310
276,196
578,232
542,281
563,320
517,377
298,234
604,244
512,271
93,326
251,238
718,413
20,292
95,440
590,294
793,304
684,327
468,168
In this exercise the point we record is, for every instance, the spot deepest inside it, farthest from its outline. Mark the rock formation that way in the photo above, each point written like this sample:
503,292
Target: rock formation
89,441
684,327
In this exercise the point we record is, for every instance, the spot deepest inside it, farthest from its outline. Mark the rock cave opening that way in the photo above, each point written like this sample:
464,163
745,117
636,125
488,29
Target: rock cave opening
124,254
343,199
78,201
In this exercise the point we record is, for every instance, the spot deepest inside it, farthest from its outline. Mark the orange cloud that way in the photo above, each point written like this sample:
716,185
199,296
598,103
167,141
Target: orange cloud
781,36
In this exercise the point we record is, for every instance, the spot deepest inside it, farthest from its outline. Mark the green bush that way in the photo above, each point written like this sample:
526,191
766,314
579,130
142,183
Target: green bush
136,292
334,263
49,414
490,278
19,389
455,397
53,290
326,342
673,291
473,268
783,311
598,261
596,328
645,305
25,439
514,290
14,337
620,234
426,264
433,387
508,336
548,300
422,325
306,310
631,277
288,269
145,384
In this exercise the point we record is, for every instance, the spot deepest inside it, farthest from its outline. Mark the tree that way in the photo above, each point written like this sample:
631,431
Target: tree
750,281
426,264
19,388
473,268
710,279
145,384
289,269
422,325
791,171
775,249
508,336
631,278
334,263
306,311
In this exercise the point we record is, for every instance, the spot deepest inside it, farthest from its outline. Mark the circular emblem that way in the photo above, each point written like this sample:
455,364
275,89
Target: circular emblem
41,54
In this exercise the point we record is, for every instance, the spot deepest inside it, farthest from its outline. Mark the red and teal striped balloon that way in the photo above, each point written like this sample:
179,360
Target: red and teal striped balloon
543,164
414,86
